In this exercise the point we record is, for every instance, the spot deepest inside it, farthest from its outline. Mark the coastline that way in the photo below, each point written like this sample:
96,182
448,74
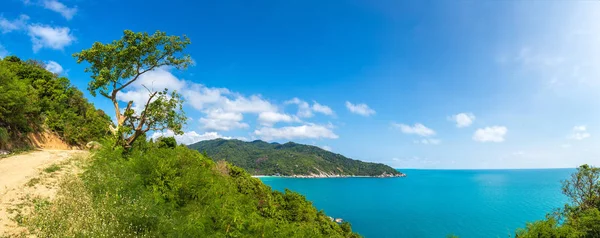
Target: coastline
330,176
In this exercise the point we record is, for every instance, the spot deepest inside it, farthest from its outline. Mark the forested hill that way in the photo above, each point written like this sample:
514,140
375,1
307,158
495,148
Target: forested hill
289,159
33,99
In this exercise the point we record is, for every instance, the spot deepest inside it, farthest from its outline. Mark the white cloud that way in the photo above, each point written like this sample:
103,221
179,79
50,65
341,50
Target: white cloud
305,110
221,120
462,119
223,110
490,134
360,109
270,118
159,79
428,141
54,67
252,104
56,38
189,137
579,133
7,26
309,131
327,148
3,52
322,109
417,129
59,7
303,107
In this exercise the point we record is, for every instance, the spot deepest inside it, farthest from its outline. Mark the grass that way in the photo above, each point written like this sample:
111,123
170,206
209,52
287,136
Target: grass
32,182
63,216
52,168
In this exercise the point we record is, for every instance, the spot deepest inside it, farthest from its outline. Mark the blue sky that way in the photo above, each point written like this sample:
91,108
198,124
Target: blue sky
413,84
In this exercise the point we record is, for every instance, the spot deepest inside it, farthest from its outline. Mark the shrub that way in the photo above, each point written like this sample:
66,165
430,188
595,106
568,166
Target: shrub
177,192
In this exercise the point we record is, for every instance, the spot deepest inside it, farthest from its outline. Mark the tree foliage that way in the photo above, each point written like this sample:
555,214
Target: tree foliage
262,158
580,217
32,98
115,66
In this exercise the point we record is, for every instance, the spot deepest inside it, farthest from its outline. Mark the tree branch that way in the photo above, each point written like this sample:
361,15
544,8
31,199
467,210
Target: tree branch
146,70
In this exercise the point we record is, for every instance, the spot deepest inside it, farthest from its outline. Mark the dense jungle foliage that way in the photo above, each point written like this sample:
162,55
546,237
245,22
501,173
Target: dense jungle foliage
33,99
262,158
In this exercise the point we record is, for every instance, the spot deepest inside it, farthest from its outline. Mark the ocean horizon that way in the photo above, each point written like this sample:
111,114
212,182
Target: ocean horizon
436,202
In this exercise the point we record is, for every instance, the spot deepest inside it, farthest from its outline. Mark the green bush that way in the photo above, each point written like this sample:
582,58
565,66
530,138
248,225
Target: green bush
177,192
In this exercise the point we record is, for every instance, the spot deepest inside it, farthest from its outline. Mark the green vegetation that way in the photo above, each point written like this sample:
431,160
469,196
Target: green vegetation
579,218
34,98
132,187
52,168
175,192
262,158
117,65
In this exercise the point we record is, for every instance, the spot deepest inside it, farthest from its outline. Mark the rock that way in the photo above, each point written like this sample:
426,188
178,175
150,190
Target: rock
93,145
4,152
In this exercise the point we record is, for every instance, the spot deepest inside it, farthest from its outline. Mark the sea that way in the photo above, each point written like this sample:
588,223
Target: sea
436,203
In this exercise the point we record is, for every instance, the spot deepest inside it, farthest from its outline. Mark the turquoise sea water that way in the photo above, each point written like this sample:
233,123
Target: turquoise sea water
435,203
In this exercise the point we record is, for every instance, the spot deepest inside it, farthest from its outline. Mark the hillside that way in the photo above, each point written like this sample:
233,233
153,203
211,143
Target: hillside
36,102
289,159
162,191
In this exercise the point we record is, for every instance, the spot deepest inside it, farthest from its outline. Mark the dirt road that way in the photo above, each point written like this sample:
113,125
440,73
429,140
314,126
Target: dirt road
17,174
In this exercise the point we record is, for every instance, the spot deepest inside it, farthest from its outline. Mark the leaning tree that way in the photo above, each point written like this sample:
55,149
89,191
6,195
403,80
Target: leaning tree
117,65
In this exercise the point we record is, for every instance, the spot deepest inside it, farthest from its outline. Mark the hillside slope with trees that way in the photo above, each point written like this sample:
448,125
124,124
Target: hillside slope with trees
33,100
289,159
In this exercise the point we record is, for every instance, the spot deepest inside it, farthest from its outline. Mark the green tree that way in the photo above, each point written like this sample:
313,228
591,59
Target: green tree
167,142
580,217
116,65
583,188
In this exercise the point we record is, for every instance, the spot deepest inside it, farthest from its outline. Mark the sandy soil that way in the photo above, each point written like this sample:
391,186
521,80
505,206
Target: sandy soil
23,177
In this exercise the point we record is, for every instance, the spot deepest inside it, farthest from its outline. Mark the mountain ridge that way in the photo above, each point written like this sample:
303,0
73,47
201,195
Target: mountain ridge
290,159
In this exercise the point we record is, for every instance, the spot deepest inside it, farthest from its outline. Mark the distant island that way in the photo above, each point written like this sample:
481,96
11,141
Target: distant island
290,160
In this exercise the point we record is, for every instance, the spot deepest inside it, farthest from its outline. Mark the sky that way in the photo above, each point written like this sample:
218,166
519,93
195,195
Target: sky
412,84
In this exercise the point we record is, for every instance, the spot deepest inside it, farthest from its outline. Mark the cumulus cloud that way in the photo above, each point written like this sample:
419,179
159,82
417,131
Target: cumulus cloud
7,26
305,110
462,119
54,67
360,109
579,133
309,131
223,110
417,129
322,109
490,134
270,118
3,52
221,120
56,38
189,137
56,6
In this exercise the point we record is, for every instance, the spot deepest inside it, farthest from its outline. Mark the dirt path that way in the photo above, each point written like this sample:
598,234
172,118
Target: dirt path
26,175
